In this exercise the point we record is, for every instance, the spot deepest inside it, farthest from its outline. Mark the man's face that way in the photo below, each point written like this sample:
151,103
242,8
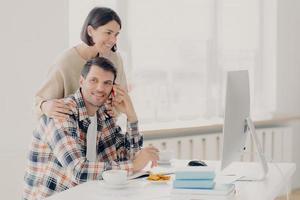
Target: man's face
97,85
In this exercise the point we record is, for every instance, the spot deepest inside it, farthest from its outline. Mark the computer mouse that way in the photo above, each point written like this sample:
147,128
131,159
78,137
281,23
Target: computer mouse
197,163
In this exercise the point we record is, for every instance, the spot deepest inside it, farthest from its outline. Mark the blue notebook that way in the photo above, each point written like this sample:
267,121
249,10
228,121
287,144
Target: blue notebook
194,184
195,173
219,189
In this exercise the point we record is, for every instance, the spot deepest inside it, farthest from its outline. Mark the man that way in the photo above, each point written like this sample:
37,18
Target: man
58,155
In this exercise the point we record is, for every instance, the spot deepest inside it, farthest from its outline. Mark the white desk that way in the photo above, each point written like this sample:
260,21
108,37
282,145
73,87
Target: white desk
140,189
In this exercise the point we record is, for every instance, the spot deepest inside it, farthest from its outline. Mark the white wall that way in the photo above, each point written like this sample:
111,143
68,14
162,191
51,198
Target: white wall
288,69
33,33
288,55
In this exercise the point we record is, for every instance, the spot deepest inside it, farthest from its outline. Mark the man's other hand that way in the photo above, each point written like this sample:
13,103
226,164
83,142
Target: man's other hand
144,156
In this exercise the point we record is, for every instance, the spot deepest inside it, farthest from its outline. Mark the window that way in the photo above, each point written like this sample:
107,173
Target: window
176,54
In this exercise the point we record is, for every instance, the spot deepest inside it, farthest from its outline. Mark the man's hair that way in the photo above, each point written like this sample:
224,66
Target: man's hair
98,16
101,62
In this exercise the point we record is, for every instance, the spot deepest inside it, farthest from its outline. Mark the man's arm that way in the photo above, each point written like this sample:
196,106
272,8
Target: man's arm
133,140
63,140
129,143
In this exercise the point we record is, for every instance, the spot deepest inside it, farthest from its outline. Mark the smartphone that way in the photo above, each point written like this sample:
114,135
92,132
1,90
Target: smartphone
111,94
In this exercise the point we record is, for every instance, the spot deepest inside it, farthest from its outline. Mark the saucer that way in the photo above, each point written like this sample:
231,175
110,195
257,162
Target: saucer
116,186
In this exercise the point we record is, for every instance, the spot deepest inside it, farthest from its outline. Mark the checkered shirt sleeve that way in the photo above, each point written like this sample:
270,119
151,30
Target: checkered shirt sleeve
69,153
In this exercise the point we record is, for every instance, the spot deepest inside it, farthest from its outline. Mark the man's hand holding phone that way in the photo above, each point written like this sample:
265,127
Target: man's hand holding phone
122,102
111,111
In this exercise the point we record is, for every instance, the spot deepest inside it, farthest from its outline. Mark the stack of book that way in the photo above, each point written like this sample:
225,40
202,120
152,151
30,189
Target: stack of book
198,183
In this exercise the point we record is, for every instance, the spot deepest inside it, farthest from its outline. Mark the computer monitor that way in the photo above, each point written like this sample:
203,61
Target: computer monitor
237,124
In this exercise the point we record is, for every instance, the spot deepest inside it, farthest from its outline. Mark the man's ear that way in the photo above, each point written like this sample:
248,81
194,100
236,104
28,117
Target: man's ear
81,80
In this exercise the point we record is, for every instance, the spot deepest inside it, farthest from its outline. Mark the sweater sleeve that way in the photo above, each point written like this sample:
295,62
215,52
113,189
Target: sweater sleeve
121,77
52,88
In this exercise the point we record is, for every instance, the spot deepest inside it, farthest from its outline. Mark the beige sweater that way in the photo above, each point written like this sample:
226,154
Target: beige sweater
64,74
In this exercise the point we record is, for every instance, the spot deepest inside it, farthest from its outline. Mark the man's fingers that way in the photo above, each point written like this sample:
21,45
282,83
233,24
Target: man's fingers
108,106
154,163
109,100
119,90
151,148
153,155
156,157
118,99
111,113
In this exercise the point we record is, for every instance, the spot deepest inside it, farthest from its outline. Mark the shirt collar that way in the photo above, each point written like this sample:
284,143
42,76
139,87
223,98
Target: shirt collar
82,112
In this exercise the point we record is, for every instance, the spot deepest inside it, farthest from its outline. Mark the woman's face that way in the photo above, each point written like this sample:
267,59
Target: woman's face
104,37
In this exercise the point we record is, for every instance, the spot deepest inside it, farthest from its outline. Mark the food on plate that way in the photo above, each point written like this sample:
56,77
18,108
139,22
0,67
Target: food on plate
158,177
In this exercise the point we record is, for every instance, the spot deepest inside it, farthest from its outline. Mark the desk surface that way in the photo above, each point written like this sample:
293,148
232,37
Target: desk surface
278,178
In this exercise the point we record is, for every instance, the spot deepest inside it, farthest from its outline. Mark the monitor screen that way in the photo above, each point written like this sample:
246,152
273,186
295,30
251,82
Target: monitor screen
237,110
237,124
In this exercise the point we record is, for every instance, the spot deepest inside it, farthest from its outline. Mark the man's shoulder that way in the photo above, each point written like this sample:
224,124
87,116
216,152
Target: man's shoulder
51,124
69,122
53,131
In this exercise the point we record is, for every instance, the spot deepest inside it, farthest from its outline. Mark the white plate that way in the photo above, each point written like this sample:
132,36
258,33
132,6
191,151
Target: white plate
116,186
158,182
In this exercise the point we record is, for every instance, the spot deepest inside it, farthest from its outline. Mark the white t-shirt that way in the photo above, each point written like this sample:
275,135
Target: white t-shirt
91,139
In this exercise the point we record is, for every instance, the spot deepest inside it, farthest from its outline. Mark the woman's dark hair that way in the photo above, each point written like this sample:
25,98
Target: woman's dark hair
101,62
98,16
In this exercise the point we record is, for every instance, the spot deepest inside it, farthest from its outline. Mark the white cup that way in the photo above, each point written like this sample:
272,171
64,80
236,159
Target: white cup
115,176
165,155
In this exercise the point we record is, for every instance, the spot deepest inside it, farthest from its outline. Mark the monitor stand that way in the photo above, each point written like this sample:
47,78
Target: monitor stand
254,171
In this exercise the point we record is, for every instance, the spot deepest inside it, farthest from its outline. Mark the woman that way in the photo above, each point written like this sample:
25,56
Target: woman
99,36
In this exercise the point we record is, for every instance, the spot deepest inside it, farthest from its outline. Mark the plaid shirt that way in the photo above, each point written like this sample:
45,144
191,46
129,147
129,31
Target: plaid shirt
57,157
